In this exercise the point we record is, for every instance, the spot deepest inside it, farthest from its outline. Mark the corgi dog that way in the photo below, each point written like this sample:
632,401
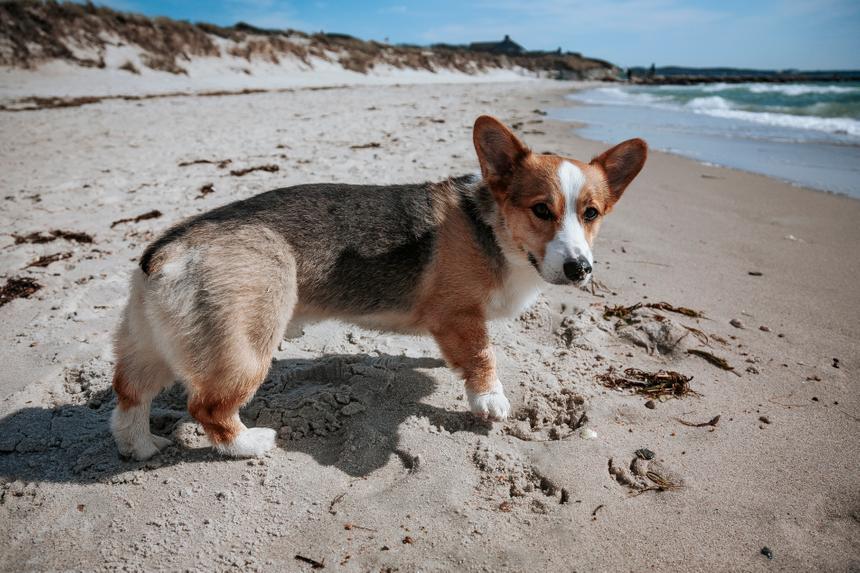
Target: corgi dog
214,295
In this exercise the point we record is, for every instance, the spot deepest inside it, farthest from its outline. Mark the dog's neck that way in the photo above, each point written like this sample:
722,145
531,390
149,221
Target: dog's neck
519,283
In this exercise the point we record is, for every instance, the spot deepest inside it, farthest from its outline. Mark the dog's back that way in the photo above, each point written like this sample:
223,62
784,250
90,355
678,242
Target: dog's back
358,248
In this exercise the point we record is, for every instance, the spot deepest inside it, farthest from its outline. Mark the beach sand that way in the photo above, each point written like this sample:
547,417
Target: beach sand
379,465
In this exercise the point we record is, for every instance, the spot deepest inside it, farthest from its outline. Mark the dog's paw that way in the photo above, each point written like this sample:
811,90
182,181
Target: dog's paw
142,447
250,443
160,442
493,404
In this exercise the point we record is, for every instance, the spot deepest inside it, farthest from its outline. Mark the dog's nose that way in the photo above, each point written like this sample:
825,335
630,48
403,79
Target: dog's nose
577,269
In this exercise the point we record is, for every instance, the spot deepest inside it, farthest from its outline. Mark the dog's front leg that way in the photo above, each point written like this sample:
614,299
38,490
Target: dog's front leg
466,346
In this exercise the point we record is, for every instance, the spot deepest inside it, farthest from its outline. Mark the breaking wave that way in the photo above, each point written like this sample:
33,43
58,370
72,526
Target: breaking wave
833,109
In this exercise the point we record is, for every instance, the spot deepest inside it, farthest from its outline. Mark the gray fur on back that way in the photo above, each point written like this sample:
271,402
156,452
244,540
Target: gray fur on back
358,248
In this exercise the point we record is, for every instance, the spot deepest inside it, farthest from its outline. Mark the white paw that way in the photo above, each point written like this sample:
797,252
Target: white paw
160,442
493,404
142,447
130,430
250,443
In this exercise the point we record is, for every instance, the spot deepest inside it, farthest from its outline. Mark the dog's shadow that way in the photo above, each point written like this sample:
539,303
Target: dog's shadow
343,410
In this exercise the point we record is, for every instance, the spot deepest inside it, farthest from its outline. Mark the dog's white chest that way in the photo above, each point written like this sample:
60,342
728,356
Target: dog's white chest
520,290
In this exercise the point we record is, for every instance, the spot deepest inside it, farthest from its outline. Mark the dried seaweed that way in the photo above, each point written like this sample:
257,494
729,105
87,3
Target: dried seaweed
206,190
46,260
712,422
18,287
703,338
221,163
371,145
677,309
620,311
241,172
154,214
651,384
719,339
334,502
625,312
40,237
715,360
662,483
312,562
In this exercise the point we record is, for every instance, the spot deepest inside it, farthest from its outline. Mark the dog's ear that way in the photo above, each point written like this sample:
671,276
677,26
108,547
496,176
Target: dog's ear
499,150
621,165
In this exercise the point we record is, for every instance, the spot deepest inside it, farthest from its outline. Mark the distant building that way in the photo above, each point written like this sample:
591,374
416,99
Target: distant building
506,46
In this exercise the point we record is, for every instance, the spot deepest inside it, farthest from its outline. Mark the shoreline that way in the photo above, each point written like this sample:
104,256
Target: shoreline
407,461
817,163
575,126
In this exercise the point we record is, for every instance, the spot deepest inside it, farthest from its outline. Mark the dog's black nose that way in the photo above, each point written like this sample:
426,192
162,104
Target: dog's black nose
577,269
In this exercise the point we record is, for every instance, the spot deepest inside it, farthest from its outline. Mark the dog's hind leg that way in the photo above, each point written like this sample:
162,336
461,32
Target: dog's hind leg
219,415
250,301
140,374
216,394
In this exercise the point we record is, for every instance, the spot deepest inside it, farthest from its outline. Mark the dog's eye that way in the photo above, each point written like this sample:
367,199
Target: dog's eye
541,211
590,214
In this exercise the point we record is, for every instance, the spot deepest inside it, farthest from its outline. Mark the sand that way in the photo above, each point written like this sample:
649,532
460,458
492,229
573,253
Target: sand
379,464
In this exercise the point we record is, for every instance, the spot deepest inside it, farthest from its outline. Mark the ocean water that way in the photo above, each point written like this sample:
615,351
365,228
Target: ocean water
807,134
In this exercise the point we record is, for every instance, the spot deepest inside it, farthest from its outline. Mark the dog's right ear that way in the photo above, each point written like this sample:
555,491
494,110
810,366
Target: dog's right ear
499,150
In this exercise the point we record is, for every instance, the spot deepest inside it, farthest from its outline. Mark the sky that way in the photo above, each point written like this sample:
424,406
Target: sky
765,34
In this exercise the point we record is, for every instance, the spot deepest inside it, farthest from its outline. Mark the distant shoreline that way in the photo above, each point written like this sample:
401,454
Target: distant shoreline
687,80
678,75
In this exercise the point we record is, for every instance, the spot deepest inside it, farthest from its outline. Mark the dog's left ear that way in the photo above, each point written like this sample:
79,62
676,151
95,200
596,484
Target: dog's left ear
499,151
622,164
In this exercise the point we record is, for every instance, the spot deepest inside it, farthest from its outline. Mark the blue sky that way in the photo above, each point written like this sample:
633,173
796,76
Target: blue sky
804,34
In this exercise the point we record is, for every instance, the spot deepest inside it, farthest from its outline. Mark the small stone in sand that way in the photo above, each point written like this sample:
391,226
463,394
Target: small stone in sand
767,552
645,454
764,328
764,419
736,323
755,273
650,404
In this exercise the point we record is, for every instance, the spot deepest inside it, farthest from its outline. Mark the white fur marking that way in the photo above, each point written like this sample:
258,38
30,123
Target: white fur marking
493,404
250,443
519,291
569,243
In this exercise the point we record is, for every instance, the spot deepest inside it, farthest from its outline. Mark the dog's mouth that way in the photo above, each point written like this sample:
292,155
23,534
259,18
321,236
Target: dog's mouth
564,281
558,277
534,262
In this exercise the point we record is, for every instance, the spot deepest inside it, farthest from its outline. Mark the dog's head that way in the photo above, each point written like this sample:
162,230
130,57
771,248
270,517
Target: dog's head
552,206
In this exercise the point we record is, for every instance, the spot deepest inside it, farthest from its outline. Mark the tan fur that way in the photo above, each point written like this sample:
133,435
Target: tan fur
451,304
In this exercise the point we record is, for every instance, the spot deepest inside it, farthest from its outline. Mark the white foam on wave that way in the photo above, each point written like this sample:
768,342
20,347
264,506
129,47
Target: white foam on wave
618,96
708,103
716,106
800,89
837,125
783,89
